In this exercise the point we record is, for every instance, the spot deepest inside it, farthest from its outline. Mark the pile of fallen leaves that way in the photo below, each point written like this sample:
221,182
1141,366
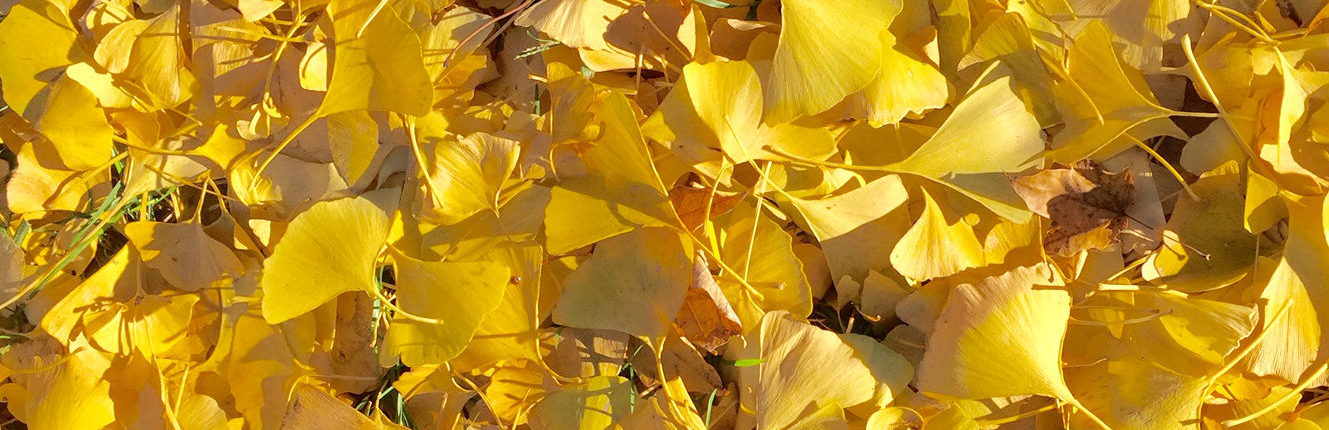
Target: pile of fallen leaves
664,214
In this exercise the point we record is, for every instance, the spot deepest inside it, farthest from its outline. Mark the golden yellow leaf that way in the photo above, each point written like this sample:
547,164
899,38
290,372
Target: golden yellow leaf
811,73
378,63
973,352
457,295
596,403
72,394
313,408
936,247
764,274
468,174
343,236
716,106
620,191
846,224
634,283
26,70
801,365
75,125
1206,244
510,332
1133,393
184,254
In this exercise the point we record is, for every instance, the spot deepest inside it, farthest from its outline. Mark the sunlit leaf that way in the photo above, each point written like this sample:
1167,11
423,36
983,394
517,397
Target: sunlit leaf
343,236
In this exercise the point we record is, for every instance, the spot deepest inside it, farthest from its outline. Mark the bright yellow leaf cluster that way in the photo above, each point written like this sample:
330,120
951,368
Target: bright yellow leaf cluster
664,214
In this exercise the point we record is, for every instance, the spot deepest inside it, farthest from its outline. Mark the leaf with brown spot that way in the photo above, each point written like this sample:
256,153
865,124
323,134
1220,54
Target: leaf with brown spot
706,319
691,204
1086,204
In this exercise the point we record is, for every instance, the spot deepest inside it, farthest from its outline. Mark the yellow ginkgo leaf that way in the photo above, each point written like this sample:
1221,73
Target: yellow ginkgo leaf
156,171
890,98
1008,39
115,282
159,61
596,403
991,116
287,185
1096,65
446,35
575,23
150,53
1263,207
253,10
72,393
201,412
955,20
184,254
16,400
1293,166
1131,393
880,295
894,417
342,237
26,69
38,185
826,416
255,360
483,236
892,371
959,414
800,365
717,106
1103,101
116,47
1192,336
571,98
1291,286
152,325
850,226
991,113
766,274
510,332
76,126
514,388
352,140
468,174
314,408
634,283
458,295
378,63
584,353
1267,407
621,190
1206,244
998,337
648,35
811,72
935,247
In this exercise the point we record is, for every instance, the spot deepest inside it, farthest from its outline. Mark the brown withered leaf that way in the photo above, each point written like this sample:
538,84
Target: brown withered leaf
706,319
1086,204
690,203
